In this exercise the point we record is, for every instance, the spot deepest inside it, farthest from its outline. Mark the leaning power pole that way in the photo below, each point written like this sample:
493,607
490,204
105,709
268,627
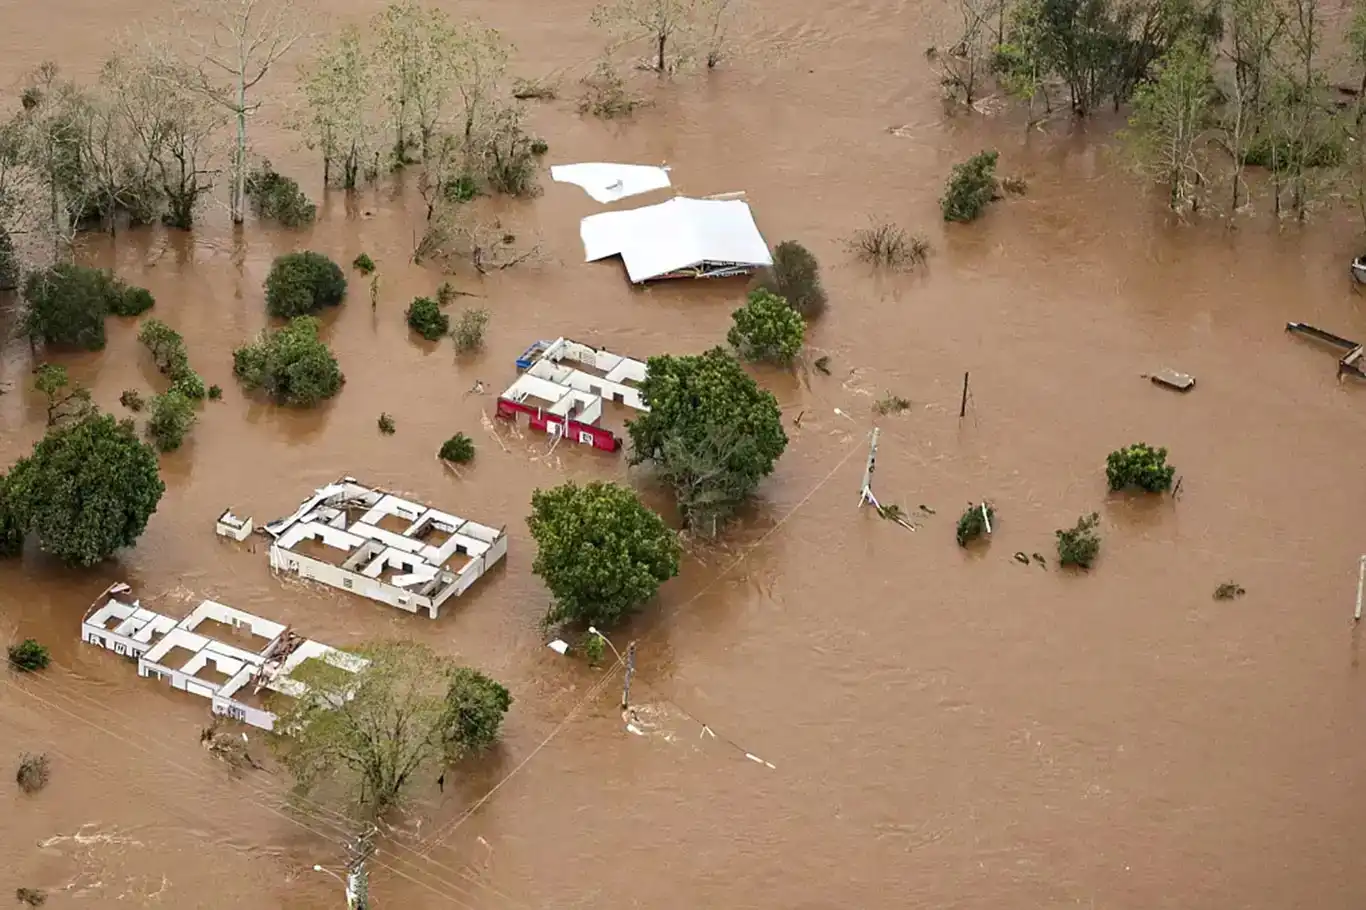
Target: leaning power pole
357,876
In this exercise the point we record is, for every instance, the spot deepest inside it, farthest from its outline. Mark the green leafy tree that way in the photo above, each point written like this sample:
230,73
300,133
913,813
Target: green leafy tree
303,283
795,276
600,551
375,731
29,656
275,197
291,365
131,301
475,706
766,328
425,317
166,346
973,524
170,421
67,305
1080,544
66,403
1170,123
711,433
11,532
86,490
1139,465
459,449
972,187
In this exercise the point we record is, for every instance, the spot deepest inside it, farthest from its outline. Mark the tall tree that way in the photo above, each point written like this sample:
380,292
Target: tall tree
373,732
339,88
965,64
1255,30
1168,131
711,433
1305,136
87,490
237,42
664,23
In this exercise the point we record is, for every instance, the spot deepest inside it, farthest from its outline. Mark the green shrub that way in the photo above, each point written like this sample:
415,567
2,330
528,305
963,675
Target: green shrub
386,424
28,656
300,284
973,524
459,449
191,385
767,329
132,301
274,197
795,277
1139,465
594,648
475,706
215,392
1079,545
425,318
132,400
166,346
292,365
363,264
463,188
170,421
469,330
539,147
972,187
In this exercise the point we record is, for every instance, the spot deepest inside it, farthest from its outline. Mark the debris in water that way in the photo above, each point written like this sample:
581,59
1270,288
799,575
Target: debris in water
1022,559
926,509
1181,382
31,896
1039,558
33,773
893,512
559,646
1229,590
891,404
823,364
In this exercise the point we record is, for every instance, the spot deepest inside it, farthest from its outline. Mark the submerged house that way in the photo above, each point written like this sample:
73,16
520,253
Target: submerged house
680,238
236,660
384,547
563,386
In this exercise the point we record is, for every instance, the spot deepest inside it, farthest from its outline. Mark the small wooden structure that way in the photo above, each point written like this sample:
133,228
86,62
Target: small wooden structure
1170,379
1351,361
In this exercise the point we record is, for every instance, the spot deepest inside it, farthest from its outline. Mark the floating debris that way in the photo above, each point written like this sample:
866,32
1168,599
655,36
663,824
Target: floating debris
891,404
926,509
1039,558
1022,559
1170,379
1229,590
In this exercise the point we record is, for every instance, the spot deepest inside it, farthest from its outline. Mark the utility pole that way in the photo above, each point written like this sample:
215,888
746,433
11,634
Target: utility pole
963,407
357,876
866,491
1361,588
630,671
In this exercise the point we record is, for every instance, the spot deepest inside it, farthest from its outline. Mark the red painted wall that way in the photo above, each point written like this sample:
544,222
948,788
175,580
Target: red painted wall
599,438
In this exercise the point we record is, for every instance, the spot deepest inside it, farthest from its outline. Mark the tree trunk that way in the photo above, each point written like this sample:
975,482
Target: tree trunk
662,39
239,158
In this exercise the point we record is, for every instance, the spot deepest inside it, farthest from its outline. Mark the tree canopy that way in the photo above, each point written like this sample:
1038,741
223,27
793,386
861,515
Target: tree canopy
67,305
86,490
711,432
796,277
1139,465
291,365
600,551
766,328
303,283
171,419
374,731
971,188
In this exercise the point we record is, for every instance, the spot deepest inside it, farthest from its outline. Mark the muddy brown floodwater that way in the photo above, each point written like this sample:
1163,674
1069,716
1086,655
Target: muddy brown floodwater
947,728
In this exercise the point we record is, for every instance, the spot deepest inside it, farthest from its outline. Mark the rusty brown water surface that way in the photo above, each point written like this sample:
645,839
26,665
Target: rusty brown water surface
949,728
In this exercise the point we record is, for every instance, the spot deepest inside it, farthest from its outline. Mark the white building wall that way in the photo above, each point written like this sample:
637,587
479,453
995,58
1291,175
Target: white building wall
316,570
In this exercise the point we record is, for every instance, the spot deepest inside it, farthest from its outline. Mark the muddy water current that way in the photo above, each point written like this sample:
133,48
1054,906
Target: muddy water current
947,728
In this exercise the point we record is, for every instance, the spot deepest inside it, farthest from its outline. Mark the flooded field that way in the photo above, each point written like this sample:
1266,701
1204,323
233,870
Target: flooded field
947,728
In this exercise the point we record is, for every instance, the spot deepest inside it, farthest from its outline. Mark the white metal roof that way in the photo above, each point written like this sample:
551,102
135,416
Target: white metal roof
681,233
610,182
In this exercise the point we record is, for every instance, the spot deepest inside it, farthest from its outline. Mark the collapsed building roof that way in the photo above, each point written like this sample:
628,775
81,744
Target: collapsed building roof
683,237
610,182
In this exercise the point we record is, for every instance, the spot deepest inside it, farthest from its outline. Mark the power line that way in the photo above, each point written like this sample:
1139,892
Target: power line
426,846
269,808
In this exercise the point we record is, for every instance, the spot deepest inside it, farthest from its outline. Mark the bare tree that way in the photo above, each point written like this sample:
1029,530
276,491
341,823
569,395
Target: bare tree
237,42
1168,129
1256,28
663,22
48,141
965,64
1305,132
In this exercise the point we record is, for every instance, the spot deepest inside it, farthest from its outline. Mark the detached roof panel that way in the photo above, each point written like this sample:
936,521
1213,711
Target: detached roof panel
610,182
683,233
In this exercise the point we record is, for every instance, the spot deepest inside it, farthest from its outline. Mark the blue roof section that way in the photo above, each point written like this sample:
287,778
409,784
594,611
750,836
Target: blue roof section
529,355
